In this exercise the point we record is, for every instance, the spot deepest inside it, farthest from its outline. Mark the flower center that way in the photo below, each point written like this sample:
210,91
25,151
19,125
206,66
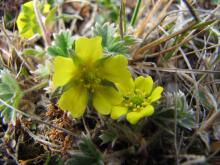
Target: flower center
89,78
135,101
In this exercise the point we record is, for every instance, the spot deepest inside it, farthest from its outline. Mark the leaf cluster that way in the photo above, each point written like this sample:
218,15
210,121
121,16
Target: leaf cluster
62,45
111,41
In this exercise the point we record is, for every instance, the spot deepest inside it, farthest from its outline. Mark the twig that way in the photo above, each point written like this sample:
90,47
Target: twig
39,139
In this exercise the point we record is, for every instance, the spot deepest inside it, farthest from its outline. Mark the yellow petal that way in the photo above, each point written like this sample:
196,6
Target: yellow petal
105,98
64,70
144,84
134,117
126,88
147,111
115,69
89,49
118,111
74,100
156,94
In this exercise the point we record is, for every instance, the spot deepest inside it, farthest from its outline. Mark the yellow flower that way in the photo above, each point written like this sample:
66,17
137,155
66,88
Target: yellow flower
26,21
88,73
137,100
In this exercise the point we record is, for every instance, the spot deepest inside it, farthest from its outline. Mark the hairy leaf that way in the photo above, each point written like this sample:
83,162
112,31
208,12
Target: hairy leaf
89,154
62,45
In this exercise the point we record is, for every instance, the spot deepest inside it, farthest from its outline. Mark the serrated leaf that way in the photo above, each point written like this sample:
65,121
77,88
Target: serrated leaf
109,135
176,102
89,154
62,45
111,40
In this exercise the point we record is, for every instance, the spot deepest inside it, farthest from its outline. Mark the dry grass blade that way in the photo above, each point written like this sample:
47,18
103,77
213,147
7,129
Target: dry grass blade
179,70
162,15
161,40
185,40
141,28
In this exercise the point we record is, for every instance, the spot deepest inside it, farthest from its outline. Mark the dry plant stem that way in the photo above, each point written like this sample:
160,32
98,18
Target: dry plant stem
73,23
179,70
195,160
39,139
213,154
161,17
209,123
37,87
17,52
140,30
91,21
192,11
61,24
85,126
193,52
41,24
138,57
161,40
38,119
182,52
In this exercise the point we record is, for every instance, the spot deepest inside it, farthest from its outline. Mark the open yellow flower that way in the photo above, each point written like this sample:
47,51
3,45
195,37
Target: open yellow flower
137,100
26,21
88,73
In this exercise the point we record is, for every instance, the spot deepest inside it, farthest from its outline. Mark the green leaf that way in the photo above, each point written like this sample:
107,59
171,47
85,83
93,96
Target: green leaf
11,93
62,45
109,135
89,154
111,41
176,102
